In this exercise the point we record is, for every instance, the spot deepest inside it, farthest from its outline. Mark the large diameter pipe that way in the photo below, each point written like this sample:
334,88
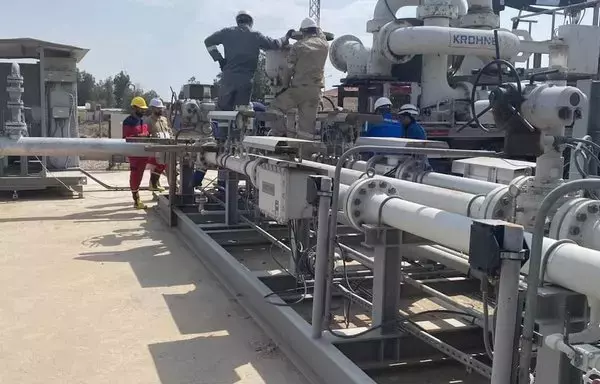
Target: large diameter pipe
578,263
348,54
457,183
569,265
450,41
446,199
58,146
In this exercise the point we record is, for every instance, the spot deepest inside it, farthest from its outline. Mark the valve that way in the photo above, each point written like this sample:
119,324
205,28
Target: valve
521,138
592,377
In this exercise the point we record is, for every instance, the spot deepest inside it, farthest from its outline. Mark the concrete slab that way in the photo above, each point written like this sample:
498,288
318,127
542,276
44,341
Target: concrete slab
96,292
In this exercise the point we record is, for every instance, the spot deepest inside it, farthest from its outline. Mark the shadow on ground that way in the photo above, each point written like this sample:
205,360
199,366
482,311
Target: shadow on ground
222,352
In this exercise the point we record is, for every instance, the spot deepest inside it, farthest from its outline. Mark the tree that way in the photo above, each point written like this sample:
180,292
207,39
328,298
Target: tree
104,93
192,80
113,92
85,87
122,81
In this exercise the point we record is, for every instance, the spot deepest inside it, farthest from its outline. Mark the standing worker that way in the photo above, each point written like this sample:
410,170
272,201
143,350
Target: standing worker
242,46
304,79
158,126
134,126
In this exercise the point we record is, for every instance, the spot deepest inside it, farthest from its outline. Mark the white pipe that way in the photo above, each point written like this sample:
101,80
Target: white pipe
446,199
569,265
434,72
457,183
348,54
58,146
385,12
436,253
449,41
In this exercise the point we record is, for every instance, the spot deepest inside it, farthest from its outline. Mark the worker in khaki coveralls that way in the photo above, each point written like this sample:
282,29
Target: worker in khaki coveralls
305,79
158,126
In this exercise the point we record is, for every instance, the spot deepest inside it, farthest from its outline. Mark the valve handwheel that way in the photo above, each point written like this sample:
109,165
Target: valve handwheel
506,97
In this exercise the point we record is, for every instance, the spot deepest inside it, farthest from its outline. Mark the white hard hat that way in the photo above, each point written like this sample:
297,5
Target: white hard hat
382,102
243,13
156,103
408,109
308,23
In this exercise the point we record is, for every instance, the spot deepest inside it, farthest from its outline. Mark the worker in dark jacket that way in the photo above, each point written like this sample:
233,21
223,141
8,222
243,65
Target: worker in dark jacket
242,46
134,126
410,127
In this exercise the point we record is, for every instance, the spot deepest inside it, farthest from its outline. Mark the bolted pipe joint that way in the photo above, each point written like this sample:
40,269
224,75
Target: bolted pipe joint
359,193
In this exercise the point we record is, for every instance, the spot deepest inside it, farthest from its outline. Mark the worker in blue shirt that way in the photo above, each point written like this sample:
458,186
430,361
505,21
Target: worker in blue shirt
406,127
388,127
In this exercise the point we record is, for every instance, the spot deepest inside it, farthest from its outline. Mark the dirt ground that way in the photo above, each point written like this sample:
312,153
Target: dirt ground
96,292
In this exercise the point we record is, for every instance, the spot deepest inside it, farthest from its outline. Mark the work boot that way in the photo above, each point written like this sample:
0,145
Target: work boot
137,202
155,183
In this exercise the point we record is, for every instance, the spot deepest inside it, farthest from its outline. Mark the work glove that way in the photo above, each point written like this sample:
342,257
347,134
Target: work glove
289,34
222,63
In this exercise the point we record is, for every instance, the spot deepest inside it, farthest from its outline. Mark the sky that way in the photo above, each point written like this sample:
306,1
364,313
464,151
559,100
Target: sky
160,43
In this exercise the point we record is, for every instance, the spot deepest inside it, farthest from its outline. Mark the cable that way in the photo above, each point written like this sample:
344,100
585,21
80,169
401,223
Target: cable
489,348
398,321
285,304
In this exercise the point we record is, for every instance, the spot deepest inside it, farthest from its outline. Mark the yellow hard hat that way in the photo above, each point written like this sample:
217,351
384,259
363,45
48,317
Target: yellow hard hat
139,102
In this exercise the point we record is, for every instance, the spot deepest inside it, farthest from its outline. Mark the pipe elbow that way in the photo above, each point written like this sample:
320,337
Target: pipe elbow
348,54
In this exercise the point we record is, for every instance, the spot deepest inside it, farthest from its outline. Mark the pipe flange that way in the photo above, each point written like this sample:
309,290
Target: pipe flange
572,218
498,204
359,193
411,169
383,40
559,218
337,62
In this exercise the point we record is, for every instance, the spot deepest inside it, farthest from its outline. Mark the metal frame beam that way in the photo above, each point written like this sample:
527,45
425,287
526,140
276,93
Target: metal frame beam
319,360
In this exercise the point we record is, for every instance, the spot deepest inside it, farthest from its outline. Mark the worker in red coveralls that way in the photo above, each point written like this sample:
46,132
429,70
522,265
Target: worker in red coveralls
134,126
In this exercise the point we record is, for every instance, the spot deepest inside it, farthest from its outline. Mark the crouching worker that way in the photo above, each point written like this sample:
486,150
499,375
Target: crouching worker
158,126
134,126
304,79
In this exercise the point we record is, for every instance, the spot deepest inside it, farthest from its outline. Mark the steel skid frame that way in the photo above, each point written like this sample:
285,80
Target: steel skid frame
324,358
